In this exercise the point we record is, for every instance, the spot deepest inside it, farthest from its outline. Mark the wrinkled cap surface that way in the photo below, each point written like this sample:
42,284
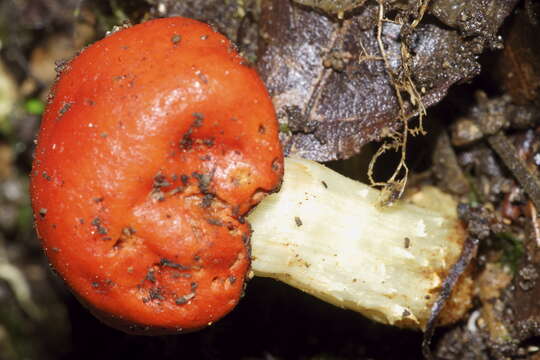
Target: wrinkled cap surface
156,140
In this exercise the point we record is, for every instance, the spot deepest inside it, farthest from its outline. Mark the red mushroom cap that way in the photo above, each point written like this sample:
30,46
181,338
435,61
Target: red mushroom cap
156,140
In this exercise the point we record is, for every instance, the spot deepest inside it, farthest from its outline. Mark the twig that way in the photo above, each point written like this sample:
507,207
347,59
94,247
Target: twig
536,226
504,148
467,254
508,154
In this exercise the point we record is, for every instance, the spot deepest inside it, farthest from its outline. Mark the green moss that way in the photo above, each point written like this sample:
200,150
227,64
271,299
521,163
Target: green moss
512,250
474,195
24,220
34,106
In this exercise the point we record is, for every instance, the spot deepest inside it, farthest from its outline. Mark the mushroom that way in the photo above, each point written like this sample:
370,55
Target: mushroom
327,235
157,141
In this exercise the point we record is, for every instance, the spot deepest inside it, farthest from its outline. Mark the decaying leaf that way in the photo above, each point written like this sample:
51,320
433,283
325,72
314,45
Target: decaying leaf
330,85
474,17
518,67
235,19
336,7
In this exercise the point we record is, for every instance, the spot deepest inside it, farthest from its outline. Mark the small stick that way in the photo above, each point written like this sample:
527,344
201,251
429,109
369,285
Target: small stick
536,226
508,154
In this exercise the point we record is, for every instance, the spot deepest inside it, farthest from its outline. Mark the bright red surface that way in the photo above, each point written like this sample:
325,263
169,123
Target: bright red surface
123,117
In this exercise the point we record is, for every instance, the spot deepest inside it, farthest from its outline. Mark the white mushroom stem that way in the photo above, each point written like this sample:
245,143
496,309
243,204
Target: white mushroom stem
326,235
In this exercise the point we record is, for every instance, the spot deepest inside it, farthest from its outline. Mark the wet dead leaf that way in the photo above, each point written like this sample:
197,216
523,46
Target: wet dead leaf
474,17
518,67
235,19
329,83
335,7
